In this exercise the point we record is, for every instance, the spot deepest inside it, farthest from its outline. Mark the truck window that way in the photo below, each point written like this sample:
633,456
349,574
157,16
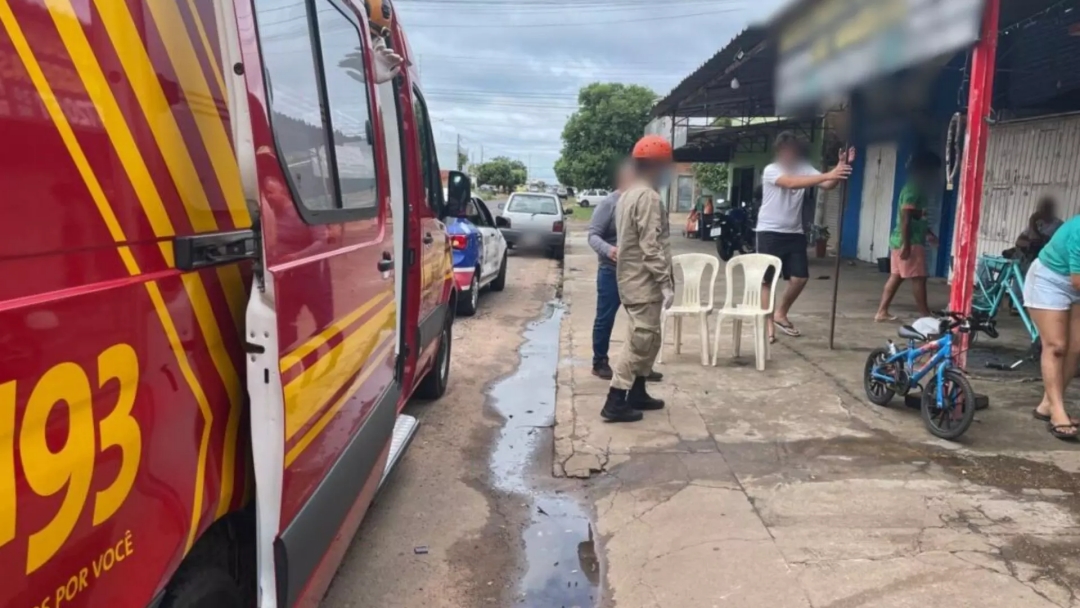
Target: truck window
428,161
350,109
319,108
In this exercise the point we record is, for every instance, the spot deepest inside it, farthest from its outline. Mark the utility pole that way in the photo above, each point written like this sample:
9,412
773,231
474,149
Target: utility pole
457,159
481,154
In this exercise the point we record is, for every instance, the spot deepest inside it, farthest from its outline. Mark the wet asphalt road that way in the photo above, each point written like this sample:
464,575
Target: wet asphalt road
469,517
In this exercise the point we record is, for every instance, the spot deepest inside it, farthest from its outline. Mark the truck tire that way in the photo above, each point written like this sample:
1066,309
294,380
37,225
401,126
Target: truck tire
499,283
207,586
433,386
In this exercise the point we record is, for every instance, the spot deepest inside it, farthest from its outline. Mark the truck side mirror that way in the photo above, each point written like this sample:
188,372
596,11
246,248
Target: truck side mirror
458,193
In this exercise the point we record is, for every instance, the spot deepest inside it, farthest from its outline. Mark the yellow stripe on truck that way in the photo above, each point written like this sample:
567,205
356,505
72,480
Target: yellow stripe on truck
307,394
375,361
208,118
318,340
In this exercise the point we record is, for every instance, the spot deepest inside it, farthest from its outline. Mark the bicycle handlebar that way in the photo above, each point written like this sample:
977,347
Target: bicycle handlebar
956,320
954,315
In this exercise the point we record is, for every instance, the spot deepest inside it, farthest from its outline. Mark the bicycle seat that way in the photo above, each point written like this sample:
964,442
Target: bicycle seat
908,332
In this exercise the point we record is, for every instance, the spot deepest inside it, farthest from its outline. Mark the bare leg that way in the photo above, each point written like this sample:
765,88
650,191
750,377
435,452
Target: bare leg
794,288
1071,361
1054,330
918,287
887,295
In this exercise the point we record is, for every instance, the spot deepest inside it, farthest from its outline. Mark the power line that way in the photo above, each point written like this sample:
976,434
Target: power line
567,23
553,8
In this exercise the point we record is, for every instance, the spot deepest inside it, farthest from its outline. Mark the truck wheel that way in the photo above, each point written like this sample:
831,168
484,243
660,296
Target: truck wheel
499,283
203,587
434,383
467,306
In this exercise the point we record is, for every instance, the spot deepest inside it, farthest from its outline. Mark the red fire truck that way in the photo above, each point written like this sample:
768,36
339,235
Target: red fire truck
223,270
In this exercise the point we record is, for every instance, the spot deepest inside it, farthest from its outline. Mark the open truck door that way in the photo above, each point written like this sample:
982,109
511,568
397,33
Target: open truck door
323,331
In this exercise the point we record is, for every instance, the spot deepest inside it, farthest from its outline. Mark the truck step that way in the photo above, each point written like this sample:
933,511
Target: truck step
404,431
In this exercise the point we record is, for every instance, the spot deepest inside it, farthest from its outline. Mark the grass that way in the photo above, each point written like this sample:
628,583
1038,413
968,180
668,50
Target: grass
581,214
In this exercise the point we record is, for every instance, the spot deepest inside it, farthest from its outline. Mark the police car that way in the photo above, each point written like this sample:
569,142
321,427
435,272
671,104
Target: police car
479,253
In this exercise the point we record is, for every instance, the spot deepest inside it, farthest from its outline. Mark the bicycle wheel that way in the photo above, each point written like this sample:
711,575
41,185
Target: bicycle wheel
958,411
878,392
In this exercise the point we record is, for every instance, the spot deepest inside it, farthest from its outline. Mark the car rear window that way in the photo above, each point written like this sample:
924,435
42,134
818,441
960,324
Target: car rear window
524,203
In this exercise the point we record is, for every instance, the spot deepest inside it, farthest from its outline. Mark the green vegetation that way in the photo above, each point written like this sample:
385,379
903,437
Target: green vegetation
502,172
610,119
712,176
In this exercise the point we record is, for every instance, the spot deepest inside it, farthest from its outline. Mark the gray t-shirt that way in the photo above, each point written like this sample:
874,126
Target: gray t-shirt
602,233
781,208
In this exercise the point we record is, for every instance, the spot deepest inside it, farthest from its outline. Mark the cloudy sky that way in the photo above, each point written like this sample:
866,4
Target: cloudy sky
504,74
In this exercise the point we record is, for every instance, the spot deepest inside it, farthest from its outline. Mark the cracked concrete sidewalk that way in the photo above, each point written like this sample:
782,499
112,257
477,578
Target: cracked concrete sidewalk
785,488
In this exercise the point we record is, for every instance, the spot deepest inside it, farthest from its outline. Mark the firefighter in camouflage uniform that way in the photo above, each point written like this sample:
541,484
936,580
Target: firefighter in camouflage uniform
644,275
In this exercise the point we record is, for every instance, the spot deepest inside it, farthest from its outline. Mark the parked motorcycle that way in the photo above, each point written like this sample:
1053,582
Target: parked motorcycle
733,229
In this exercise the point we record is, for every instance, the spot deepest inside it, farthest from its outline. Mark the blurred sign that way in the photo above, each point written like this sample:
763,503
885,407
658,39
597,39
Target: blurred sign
828,47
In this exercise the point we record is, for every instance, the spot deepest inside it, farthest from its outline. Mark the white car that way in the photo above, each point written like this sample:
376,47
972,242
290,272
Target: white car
591,198
535,221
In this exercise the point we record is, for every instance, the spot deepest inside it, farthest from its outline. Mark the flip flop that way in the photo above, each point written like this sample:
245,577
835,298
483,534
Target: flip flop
1044,418
788,328
888,319
1055,430
772,339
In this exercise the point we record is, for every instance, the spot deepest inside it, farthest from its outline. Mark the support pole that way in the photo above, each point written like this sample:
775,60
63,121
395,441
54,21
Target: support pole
839,258
980,98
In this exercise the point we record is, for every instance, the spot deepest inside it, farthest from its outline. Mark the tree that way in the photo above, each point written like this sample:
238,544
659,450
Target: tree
610,119
462,160
502,172
712,176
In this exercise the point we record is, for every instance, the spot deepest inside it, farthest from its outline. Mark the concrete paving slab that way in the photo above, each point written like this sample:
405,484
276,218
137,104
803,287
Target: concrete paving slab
786,488
930,579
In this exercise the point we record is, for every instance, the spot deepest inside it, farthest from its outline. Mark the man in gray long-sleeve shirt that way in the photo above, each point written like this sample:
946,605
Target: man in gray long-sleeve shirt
604,241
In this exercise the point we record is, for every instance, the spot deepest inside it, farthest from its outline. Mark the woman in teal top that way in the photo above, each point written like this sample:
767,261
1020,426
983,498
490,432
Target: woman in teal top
1052,296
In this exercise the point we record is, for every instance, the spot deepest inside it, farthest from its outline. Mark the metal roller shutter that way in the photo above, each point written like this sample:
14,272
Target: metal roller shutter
1026,160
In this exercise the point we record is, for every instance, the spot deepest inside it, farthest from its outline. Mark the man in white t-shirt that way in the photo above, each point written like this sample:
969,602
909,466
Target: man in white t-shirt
780,219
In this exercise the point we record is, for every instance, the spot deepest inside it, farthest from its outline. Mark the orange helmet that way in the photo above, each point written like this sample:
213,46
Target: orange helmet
653,147
380,14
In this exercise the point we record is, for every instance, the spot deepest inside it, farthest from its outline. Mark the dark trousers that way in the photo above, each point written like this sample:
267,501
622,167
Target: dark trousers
607,306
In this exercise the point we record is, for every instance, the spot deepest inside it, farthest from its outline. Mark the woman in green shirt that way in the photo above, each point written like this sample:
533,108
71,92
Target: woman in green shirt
909,238
1052,296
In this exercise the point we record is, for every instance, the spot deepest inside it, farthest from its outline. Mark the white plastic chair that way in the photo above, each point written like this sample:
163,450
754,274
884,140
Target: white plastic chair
754,267
693,303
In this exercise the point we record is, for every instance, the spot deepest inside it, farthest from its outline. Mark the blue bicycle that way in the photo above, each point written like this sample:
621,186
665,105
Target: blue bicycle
948,401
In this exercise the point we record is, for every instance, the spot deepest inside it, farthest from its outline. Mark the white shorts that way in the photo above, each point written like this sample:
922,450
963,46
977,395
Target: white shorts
1045,289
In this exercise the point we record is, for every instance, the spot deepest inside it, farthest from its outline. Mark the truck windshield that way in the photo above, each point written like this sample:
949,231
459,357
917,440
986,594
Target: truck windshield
524,203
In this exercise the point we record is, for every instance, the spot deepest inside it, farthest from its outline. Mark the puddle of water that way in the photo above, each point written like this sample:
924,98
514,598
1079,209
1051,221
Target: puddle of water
562,567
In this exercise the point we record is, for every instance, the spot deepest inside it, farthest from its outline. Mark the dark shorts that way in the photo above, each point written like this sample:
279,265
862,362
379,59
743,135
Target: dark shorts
790,248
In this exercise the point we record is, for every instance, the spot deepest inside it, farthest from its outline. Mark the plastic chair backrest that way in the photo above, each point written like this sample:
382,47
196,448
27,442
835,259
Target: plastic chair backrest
693,267
754,267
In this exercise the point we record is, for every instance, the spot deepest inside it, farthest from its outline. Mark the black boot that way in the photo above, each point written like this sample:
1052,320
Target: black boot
639,399
601,369
654,377
617,409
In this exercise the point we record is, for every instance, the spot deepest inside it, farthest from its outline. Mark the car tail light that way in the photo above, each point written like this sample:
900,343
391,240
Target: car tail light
557,227
458,241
